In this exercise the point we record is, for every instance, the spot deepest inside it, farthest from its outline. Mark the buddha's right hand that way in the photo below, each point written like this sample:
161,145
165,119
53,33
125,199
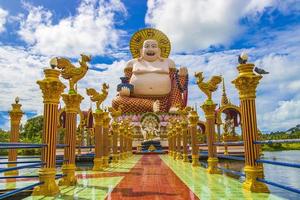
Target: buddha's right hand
124,91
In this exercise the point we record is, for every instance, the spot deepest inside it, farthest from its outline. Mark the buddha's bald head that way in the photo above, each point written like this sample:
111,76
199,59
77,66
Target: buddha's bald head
150,51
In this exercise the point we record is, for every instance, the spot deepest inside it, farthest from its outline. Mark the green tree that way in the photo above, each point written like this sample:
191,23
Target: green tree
32,133
4,137
32,130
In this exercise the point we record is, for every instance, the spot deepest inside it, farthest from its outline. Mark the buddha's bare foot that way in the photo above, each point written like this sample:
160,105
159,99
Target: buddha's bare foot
156,106
124,92
173,109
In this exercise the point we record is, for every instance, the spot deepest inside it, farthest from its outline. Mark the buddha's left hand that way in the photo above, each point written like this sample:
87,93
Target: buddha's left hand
183,71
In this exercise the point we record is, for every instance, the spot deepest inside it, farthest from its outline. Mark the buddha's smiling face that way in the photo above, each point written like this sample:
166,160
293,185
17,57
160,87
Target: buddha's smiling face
150,50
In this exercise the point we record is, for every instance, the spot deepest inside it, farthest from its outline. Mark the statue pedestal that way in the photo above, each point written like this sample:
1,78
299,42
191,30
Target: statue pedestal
151,146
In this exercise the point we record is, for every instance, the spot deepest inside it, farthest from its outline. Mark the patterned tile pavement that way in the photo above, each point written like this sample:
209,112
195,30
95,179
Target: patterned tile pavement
212,186
148,177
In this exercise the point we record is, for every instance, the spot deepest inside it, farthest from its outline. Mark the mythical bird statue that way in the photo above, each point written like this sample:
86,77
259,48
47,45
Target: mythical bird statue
98,97
208,87
115,113
69,71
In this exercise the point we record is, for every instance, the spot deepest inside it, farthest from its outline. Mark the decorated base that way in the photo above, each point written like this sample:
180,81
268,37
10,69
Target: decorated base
151,146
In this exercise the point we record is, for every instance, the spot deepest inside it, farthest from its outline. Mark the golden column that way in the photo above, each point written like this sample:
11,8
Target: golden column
178,142
72,102
121,135
193,118
125,142
15,118
184,126
51,88
169,139
98,126
246,83
129,141
209,109
106,120
115,133
174,140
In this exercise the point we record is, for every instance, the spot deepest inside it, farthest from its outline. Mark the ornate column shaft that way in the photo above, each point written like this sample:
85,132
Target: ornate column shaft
15,118
125,143
106,121
179,131
115,133
72,102
121,133
170,141
174,142
246,83
193,118
184,125
129,150
51,88
209,110
98,160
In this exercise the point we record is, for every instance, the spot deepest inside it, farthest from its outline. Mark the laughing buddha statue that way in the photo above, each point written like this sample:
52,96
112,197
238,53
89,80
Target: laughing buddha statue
151,83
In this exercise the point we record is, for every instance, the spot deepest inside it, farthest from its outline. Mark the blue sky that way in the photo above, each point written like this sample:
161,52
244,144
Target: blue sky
205,36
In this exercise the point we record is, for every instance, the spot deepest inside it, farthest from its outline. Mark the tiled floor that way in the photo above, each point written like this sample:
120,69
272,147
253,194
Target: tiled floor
151,177
211,186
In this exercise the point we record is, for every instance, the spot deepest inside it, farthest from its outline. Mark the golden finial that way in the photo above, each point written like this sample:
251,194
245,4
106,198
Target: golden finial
224,100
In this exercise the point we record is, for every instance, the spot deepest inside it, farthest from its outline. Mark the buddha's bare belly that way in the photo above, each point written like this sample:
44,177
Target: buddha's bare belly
151,84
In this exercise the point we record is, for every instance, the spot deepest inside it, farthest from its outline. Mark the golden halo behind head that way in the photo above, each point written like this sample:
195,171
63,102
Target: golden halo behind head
138,38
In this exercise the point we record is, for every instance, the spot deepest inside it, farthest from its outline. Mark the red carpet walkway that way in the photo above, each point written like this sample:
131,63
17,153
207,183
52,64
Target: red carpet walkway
151,179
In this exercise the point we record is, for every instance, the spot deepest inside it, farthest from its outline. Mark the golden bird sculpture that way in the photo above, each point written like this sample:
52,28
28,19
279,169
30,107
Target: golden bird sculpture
115,113
210,86
69,71
97,96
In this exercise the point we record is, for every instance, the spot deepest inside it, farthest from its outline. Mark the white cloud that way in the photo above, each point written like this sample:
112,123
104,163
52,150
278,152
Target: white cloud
91,30
285,116
201,24
20,69
278,94
3,19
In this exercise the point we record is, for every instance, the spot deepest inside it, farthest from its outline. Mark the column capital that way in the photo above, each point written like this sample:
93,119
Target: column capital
115,125
106,119
72,102
178,128
209,110
16,113
193,118
184,124
247,81
51,86
98,116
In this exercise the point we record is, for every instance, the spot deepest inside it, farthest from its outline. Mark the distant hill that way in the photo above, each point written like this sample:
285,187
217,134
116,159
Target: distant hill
292,133
294,129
